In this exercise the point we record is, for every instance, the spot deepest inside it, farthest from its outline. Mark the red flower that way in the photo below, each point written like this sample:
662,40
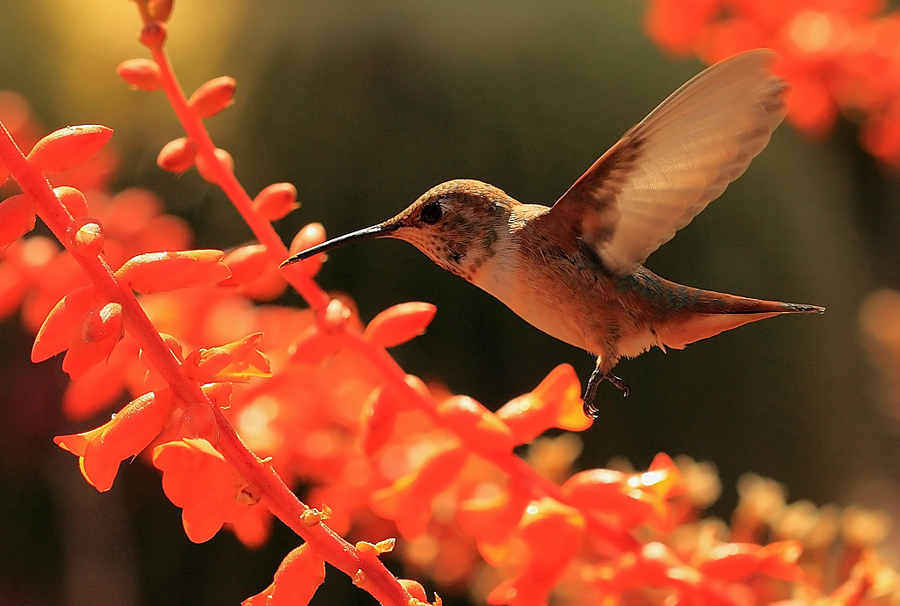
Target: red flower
296,580
556,402
551,533
197,479
130,431
633,499
239,360
408,500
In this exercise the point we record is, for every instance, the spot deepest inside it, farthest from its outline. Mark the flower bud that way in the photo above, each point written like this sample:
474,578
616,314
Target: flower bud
159,9
213,96
207,171
153,36
72,199
276,201
177,155
140,73
68,146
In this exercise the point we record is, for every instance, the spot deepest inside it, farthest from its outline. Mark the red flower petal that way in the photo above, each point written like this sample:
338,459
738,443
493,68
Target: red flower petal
408,500
734,562
296,580
197,479
68,146
101,450
379,416
239,360
399,324
16,218
415,589
556,402
552,533
632,498
55,333
154,272
100,331
313,346
102,385
474,423
492,521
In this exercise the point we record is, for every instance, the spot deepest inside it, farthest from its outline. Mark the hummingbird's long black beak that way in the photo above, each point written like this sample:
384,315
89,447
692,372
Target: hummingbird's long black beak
369,233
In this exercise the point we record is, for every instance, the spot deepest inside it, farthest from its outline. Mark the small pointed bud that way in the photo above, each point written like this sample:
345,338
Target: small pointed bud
177,155
68,146
276,201
153,36
415,589
213,96
141,74
16,218
159,9
85,236
208,171
72,199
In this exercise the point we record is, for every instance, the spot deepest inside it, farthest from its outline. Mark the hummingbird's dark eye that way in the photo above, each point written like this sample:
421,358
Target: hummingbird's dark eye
432,213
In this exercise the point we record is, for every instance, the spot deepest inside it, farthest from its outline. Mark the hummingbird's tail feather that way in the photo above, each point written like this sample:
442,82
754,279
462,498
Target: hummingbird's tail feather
713,313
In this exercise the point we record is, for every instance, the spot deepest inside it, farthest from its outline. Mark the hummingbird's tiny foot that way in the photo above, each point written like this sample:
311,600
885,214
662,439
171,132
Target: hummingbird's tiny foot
620,384
590,391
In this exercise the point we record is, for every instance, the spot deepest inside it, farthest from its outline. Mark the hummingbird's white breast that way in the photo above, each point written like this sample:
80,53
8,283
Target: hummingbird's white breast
529,289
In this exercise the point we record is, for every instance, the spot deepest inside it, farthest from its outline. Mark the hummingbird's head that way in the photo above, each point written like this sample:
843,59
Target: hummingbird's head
457,224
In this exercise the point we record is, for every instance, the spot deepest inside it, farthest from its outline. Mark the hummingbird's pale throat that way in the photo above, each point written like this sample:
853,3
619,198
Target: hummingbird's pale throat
574,270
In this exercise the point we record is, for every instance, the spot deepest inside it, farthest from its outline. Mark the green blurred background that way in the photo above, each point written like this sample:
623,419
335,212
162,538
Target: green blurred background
364,106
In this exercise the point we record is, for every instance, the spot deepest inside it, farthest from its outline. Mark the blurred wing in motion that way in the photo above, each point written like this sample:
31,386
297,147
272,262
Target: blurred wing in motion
665,170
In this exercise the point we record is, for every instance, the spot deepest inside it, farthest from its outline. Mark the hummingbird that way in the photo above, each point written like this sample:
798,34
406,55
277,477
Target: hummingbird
575,269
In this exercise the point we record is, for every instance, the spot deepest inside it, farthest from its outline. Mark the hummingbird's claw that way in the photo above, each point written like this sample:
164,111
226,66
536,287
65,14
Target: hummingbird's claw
590,390
620,384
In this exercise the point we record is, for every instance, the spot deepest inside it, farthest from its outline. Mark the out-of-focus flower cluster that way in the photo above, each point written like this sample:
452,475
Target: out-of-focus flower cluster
880,323
838,55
